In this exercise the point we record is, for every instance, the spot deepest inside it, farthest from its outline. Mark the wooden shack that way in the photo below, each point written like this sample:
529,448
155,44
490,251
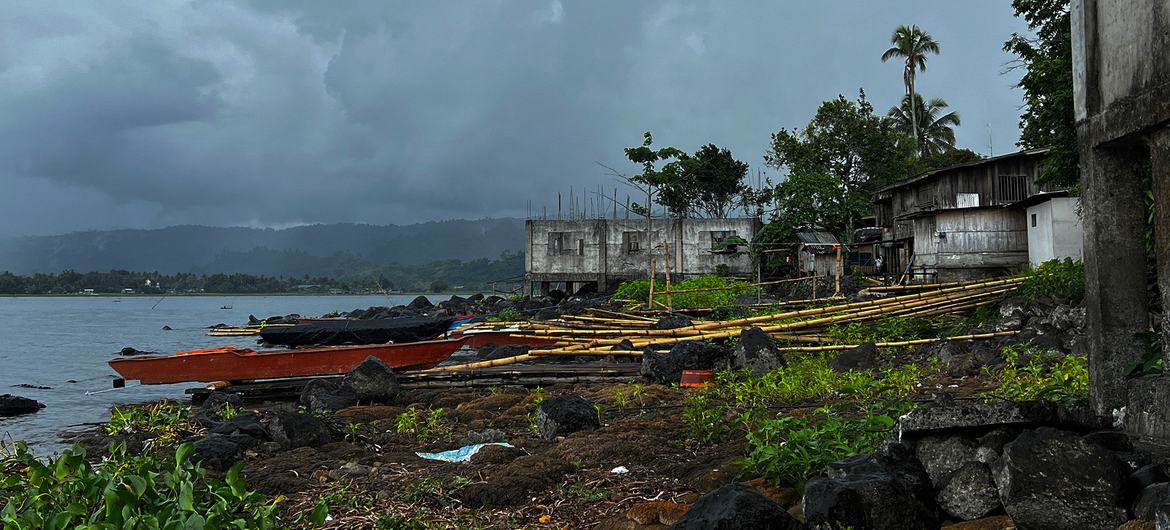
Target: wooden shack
961,222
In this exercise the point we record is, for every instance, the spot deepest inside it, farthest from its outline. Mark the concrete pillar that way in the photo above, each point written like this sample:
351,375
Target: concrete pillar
1160,179
1115,270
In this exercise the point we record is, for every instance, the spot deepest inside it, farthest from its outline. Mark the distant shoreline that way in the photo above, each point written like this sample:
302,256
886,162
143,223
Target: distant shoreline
143,295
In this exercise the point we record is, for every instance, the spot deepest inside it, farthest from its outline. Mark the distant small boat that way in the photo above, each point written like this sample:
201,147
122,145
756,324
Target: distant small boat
226,307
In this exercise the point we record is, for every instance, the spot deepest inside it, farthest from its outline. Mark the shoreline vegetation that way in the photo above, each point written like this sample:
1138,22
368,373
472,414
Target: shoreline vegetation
449,276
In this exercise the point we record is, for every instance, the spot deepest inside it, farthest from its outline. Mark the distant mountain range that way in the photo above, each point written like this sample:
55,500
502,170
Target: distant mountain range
324,249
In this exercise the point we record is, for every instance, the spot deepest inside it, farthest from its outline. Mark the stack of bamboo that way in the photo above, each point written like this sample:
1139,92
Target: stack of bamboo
604,333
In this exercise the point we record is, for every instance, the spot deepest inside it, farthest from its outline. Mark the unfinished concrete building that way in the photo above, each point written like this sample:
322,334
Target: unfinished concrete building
568,254
1121,58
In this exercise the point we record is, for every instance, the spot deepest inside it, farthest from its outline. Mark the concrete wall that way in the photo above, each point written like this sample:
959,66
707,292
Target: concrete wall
597,250
1121,78
1054,231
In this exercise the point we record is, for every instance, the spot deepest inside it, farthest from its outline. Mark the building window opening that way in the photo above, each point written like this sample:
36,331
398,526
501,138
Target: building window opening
1033,220
631,242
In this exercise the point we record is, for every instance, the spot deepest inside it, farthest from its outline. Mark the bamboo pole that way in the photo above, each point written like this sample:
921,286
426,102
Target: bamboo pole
837,287
891,301
621,315
833,347
481,364
666,265
650,301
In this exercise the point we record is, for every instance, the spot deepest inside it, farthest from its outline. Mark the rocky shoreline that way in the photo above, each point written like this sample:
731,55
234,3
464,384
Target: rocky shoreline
624,455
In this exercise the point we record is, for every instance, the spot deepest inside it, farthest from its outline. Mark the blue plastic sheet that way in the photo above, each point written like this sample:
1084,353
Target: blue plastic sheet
462,454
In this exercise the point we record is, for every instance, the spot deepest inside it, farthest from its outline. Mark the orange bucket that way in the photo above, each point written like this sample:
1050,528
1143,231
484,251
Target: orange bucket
697,378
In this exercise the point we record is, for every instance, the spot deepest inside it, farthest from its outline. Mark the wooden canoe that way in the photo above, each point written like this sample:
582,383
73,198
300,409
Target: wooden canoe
243,364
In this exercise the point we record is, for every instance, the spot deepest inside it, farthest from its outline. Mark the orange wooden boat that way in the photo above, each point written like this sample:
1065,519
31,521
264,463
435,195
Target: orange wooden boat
243,364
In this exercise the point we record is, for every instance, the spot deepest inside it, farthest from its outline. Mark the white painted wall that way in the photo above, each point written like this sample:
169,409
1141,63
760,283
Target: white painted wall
1056,232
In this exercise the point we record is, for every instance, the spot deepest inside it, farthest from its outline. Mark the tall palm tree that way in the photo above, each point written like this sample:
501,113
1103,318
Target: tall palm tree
912,44
928,124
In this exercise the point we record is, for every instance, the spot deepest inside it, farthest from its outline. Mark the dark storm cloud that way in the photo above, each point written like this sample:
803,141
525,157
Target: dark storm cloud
272,113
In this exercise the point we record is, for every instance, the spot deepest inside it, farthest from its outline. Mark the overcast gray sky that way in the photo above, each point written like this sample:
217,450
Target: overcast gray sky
276,113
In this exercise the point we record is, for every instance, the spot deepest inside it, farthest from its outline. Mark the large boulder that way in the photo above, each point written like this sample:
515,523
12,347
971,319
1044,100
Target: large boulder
667,368
248,424
11,405
878,501
733,507
562,415
673,321
757,353
221,451
210,412
372,381
942,455
863,357
293,429
894,459
969,492
327,394
1049,478
1147,503
420,303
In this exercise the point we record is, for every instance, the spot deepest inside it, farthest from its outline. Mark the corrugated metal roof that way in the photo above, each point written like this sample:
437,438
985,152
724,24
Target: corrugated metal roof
930,174
817,237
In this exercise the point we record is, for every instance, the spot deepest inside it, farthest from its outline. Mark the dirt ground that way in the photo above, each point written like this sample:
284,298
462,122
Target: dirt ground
569,482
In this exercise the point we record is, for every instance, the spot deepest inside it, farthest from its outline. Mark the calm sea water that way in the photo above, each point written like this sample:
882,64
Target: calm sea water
64,343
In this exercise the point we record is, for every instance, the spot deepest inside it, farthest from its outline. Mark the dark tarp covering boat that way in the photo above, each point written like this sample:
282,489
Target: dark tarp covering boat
338,332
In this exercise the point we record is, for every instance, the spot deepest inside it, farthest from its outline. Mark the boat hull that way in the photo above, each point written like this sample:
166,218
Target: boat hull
248,365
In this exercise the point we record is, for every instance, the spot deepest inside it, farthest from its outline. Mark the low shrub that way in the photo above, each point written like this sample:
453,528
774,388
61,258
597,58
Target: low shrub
1041,374
639,291
790,450
125,491
1056,278
164,421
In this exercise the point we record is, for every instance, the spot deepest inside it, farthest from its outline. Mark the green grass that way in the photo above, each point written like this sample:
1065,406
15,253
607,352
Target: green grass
163,421
639,291
1043,374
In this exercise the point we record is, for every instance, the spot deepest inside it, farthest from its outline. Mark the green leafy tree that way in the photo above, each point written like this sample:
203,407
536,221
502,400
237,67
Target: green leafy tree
1048,119
934,126
913,45
707,183
833,165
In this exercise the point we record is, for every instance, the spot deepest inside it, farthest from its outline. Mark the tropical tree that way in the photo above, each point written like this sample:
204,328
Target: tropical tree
707,182
833,165
1048,119
935,126
911,44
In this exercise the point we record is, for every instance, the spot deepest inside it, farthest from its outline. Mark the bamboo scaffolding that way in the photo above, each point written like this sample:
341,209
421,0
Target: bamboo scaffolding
625,316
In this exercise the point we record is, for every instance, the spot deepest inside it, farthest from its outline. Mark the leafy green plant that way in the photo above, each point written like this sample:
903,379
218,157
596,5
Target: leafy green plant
583,491
790,450
639,291
1056,278
705,412
620,399
164,421
509,314
891,329
228,412
425,425
1042,374
125,491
